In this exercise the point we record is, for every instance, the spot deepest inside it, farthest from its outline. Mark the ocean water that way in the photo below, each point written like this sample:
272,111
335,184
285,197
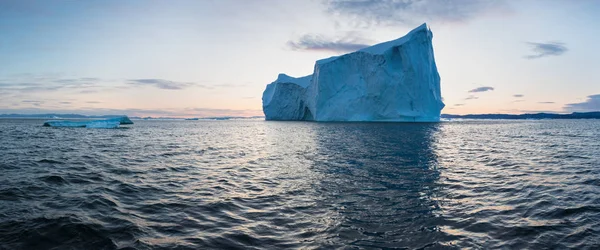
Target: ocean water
301,185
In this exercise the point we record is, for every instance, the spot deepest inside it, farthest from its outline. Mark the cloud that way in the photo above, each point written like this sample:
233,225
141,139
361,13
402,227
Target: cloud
184,112
90,91
546,102
471,97
459,104
77,81
162,84
411,12
518,95
546,49
33,102
314,42
47,83
44,93
481,89
94,79
28,83
591,104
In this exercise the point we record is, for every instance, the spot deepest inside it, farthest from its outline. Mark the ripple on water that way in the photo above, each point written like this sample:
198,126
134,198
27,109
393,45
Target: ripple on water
275,185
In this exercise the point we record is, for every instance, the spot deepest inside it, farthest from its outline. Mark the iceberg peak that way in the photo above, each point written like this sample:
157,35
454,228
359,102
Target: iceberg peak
302,81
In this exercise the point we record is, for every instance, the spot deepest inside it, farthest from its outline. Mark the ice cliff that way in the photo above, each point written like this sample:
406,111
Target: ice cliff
391,81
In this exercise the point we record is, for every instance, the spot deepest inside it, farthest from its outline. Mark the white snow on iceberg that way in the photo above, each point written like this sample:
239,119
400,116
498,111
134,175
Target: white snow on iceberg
391,81
106,123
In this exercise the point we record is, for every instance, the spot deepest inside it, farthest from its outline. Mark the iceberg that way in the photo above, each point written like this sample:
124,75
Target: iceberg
391,81
106,123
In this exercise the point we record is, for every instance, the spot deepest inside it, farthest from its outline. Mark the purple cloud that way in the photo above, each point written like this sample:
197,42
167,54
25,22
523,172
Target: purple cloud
481,89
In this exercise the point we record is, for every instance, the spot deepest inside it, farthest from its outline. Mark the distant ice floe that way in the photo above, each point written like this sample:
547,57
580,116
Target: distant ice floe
106,123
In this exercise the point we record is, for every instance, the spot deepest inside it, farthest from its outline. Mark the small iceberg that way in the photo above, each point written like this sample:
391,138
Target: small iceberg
106,123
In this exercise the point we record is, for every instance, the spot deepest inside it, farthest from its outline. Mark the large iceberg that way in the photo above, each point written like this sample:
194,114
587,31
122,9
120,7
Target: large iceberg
391,81
106,123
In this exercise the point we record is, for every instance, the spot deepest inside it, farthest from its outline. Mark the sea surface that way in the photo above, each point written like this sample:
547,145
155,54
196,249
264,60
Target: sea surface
251,184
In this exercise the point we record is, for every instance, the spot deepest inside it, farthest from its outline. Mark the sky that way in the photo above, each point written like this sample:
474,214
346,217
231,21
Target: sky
201,58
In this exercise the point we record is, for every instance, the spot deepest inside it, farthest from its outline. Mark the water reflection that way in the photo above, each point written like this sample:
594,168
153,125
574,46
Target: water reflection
381,180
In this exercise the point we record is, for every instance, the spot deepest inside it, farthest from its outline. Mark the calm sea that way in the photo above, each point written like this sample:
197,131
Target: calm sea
300,185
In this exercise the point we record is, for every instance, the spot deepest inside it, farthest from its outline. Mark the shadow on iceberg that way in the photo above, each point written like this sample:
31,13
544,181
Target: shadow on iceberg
106,123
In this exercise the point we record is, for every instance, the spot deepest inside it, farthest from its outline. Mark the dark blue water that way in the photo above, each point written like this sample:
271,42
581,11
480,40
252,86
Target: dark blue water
282,185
